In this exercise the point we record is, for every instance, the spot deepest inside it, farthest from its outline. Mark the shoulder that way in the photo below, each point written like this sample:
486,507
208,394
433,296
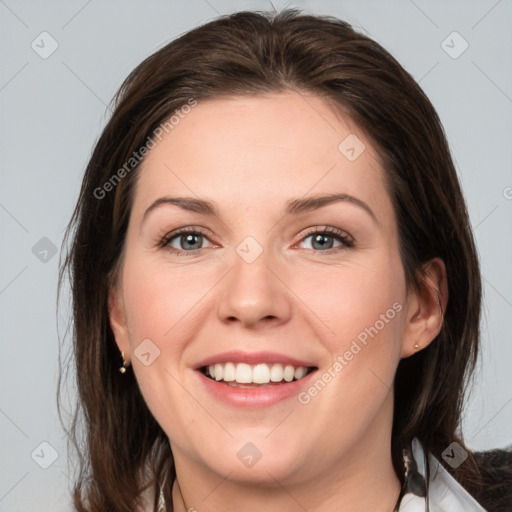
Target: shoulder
496,470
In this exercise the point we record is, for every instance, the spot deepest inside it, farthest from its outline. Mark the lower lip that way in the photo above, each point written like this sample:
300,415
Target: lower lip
254,397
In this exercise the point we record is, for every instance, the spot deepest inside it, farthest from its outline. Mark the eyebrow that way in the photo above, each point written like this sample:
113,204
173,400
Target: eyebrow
293,206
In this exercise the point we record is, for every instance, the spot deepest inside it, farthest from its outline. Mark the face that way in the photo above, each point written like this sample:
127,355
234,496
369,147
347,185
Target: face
271,277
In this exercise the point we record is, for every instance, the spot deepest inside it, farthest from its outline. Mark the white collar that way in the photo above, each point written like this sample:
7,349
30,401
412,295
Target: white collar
445,493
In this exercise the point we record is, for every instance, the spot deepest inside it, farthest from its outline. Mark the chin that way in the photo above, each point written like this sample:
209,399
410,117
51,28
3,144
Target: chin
258,460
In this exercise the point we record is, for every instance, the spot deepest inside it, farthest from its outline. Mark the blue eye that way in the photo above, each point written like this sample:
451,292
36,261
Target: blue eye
324,239
190,240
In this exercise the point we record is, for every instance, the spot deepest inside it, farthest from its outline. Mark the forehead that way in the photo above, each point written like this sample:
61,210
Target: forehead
265,147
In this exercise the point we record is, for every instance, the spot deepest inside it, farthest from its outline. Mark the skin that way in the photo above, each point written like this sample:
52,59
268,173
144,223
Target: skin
296,298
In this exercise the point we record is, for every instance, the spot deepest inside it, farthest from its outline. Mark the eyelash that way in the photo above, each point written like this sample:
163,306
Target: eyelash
336,233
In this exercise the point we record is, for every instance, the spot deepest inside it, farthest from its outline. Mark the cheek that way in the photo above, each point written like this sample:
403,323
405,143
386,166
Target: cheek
363,305
160,302
358,301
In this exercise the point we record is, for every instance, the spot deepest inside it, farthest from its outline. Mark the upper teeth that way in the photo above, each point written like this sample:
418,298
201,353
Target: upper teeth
258,374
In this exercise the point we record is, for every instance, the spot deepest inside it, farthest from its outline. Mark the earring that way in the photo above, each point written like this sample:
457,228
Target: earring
416,346
125,364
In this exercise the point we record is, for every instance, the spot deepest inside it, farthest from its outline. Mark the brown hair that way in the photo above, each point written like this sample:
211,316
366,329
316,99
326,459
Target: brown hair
250,53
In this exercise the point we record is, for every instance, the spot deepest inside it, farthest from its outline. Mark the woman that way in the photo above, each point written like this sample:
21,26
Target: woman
308,355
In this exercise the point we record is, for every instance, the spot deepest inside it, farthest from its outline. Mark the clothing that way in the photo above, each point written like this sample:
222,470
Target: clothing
496,472
445,494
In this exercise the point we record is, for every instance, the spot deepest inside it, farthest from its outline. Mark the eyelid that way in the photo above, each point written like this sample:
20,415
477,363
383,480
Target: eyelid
343,236
164,241
346,239
331,230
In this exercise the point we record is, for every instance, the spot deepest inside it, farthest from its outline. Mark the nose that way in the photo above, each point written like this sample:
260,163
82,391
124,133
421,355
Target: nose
255,293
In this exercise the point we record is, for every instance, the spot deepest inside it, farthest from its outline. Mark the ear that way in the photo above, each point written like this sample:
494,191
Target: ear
118,320
425,308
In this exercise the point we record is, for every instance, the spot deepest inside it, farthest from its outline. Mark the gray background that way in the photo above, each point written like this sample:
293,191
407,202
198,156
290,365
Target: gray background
52,111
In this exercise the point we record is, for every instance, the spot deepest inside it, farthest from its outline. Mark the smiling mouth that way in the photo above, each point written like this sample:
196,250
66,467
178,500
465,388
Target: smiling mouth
243,375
